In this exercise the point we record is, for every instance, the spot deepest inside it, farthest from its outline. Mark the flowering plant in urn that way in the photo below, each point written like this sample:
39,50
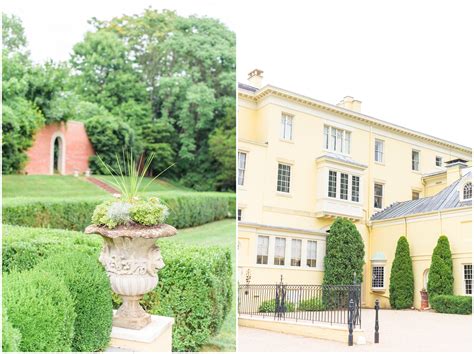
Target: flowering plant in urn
130,226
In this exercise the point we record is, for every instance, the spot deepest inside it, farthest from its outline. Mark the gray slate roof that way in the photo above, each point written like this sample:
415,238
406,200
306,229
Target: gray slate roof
448,198
247,87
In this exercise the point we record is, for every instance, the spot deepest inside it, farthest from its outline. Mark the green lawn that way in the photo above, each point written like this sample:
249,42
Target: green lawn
21,186
219,233
158,185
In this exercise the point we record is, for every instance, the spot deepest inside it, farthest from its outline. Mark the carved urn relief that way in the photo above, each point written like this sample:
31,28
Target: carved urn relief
132,260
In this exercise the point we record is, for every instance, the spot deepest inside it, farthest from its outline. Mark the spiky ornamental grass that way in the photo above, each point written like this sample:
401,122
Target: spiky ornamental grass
128,180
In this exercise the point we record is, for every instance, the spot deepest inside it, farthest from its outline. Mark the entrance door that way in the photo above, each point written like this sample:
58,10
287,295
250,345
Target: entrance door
57,156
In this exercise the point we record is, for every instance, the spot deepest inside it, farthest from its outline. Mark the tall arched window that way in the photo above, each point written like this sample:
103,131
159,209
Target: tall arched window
467,191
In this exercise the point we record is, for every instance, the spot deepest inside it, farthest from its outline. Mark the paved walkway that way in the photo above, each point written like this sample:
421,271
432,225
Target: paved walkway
406,330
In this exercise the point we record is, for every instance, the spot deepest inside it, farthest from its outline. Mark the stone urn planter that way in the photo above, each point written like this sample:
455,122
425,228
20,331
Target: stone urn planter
424,299
132,261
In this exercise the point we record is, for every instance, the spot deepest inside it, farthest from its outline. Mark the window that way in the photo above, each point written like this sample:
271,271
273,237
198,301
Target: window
378,195
344,186
415,160
468,279
415,195
239,214
286,126
439,161
280,245
242,162
296,253
283,181
355,188
467,191
377,277
262,250
332,184
311,254
378,150
337,140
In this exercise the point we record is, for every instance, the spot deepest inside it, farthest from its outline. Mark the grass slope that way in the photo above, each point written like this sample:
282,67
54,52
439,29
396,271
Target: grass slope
219,233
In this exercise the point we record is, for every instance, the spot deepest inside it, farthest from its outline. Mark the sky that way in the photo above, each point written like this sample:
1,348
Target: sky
409,62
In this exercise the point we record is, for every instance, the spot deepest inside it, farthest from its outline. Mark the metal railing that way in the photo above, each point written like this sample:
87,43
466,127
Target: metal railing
315,303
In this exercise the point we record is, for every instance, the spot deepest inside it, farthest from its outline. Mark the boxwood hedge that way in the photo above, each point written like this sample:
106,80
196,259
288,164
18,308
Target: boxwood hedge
40,306
457,304
88,284
187,209
11,336
195,285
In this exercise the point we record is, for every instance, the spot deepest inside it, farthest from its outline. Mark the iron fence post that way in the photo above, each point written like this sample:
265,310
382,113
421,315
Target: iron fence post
377,307
351,328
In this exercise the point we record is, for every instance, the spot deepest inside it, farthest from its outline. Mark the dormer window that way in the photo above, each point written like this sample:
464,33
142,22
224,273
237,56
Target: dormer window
337,140
467,191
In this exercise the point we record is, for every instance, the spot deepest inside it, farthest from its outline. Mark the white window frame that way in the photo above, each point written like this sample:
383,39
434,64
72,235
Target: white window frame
379,152
344,187
465,279
286,127
337,183
413,191
378,265
285,241
300,241
440,159
239,214
353,179
462,196
263,255
241,168
380,196
280,182
315,256
336,140
415,162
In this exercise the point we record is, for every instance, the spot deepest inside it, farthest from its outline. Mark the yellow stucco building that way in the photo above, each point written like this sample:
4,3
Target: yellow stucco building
303,162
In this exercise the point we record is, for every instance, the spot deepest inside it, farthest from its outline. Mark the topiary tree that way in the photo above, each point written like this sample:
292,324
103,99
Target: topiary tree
440,277
89,286
401,277
344,254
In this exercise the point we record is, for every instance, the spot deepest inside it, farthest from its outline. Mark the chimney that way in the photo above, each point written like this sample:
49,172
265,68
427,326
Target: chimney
454,170
255,78
350,103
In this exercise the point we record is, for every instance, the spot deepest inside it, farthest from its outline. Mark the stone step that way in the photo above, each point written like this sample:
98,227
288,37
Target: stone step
103,185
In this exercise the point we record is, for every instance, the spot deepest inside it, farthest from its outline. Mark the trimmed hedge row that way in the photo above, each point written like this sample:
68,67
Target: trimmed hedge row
40,306
269,306
195,286
456,304
11,336
186,210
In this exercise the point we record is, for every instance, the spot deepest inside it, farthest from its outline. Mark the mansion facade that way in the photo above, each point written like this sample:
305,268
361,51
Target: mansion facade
303,162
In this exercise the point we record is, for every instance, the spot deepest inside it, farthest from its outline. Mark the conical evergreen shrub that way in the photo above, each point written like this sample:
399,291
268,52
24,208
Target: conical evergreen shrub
440,277
401,277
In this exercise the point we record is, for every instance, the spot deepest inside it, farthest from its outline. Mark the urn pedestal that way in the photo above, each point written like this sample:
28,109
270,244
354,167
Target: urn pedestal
132,260
424,300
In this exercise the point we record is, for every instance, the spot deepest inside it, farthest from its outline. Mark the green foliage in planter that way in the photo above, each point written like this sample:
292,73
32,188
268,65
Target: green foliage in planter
89,286
401,277
313,304
23,248
149,212
11,337
440,277
195,288
187,209
344,254
456,304
269,306
41,307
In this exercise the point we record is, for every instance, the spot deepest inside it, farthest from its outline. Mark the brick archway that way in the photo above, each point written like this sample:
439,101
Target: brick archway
61,163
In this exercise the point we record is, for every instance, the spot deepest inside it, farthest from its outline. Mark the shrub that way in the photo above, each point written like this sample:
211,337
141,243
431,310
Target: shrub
89,286
186,210
401,277
313,304
344,254
41,307
23,248
11,337
195,288
461,305
269,306
440,277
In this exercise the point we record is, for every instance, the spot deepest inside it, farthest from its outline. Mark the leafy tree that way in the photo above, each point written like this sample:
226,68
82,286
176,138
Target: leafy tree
344,254
401,277
13,34
440,277
110,137
222,149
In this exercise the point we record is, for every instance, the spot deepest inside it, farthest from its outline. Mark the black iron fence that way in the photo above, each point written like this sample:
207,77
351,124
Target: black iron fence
315,303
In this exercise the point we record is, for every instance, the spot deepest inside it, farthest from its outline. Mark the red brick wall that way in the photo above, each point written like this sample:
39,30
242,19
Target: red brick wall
77,149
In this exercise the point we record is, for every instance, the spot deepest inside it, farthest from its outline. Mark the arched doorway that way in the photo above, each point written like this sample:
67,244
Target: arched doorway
57,164
425,278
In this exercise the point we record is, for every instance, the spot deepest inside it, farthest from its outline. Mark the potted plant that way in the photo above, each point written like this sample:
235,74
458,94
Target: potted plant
130,225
